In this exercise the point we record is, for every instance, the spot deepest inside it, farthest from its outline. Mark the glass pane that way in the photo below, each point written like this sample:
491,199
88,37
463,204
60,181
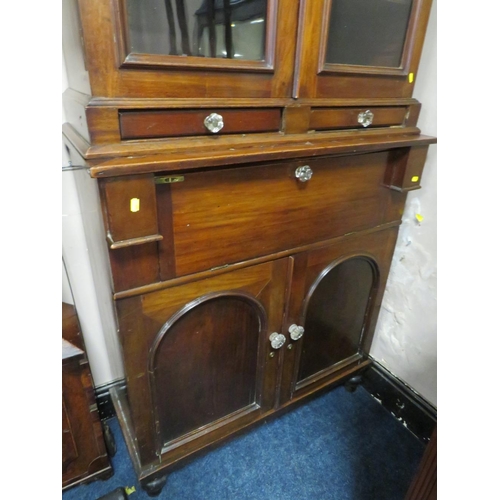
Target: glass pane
233,29
335,316
367,32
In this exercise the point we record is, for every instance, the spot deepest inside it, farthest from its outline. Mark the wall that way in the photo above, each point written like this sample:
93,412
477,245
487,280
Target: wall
405,340
77,260
88,291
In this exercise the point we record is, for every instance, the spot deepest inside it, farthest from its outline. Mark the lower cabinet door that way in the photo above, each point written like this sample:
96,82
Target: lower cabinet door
197,358
335,297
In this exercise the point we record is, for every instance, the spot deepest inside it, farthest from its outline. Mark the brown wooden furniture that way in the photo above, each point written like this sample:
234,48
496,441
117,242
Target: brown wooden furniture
424,484
251,194
84,455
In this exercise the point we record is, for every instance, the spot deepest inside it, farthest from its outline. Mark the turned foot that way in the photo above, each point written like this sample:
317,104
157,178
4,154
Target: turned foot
118,494
352,384
109,439
153,487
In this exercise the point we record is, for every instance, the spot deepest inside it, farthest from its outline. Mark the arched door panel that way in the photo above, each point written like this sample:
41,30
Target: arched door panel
205,366
335,313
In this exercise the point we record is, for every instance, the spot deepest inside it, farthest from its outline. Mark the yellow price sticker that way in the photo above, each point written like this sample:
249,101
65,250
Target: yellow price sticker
135,204
415,178
410,77
419,217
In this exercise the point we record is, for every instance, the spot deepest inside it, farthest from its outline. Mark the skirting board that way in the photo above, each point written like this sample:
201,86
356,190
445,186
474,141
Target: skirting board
405,404
103,399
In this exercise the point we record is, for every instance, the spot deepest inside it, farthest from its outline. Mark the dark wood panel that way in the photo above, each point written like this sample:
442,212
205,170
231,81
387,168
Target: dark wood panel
173,123
134,266
335,313
260,210
377,245
206,365
324,118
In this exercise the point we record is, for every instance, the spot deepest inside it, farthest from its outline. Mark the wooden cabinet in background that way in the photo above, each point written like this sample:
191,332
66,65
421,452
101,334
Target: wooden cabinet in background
252,159
84,454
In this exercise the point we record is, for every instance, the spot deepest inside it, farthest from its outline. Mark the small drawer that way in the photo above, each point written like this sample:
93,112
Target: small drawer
336,118
180,122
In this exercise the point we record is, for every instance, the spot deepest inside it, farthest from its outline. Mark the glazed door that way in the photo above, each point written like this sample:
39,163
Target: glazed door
197,357
360,48
334,302
190,48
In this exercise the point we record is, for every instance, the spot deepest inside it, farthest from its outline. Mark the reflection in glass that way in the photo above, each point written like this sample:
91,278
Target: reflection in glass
367,32
232,29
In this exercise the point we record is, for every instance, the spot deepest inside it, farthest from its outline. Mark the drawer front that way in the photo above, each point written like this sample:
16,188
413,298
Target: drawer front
177,123
227,216
337,118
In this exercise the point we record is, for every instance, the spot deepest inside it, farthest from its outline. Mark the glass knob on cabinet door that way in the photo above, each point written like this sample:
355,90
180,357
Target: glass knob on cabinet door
277,340
296,332
214,123
303,174
365,118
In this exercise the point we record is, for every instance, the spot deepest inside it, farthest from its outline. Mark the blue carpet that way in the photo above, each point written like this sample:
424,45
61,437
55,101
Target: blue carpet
340,446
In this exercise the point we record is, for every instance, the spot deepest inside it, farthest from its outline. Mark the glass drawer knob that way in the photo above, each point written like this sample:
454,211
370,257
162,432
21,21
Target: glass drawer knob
296,332
304,173
277,340
214,122
365,118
